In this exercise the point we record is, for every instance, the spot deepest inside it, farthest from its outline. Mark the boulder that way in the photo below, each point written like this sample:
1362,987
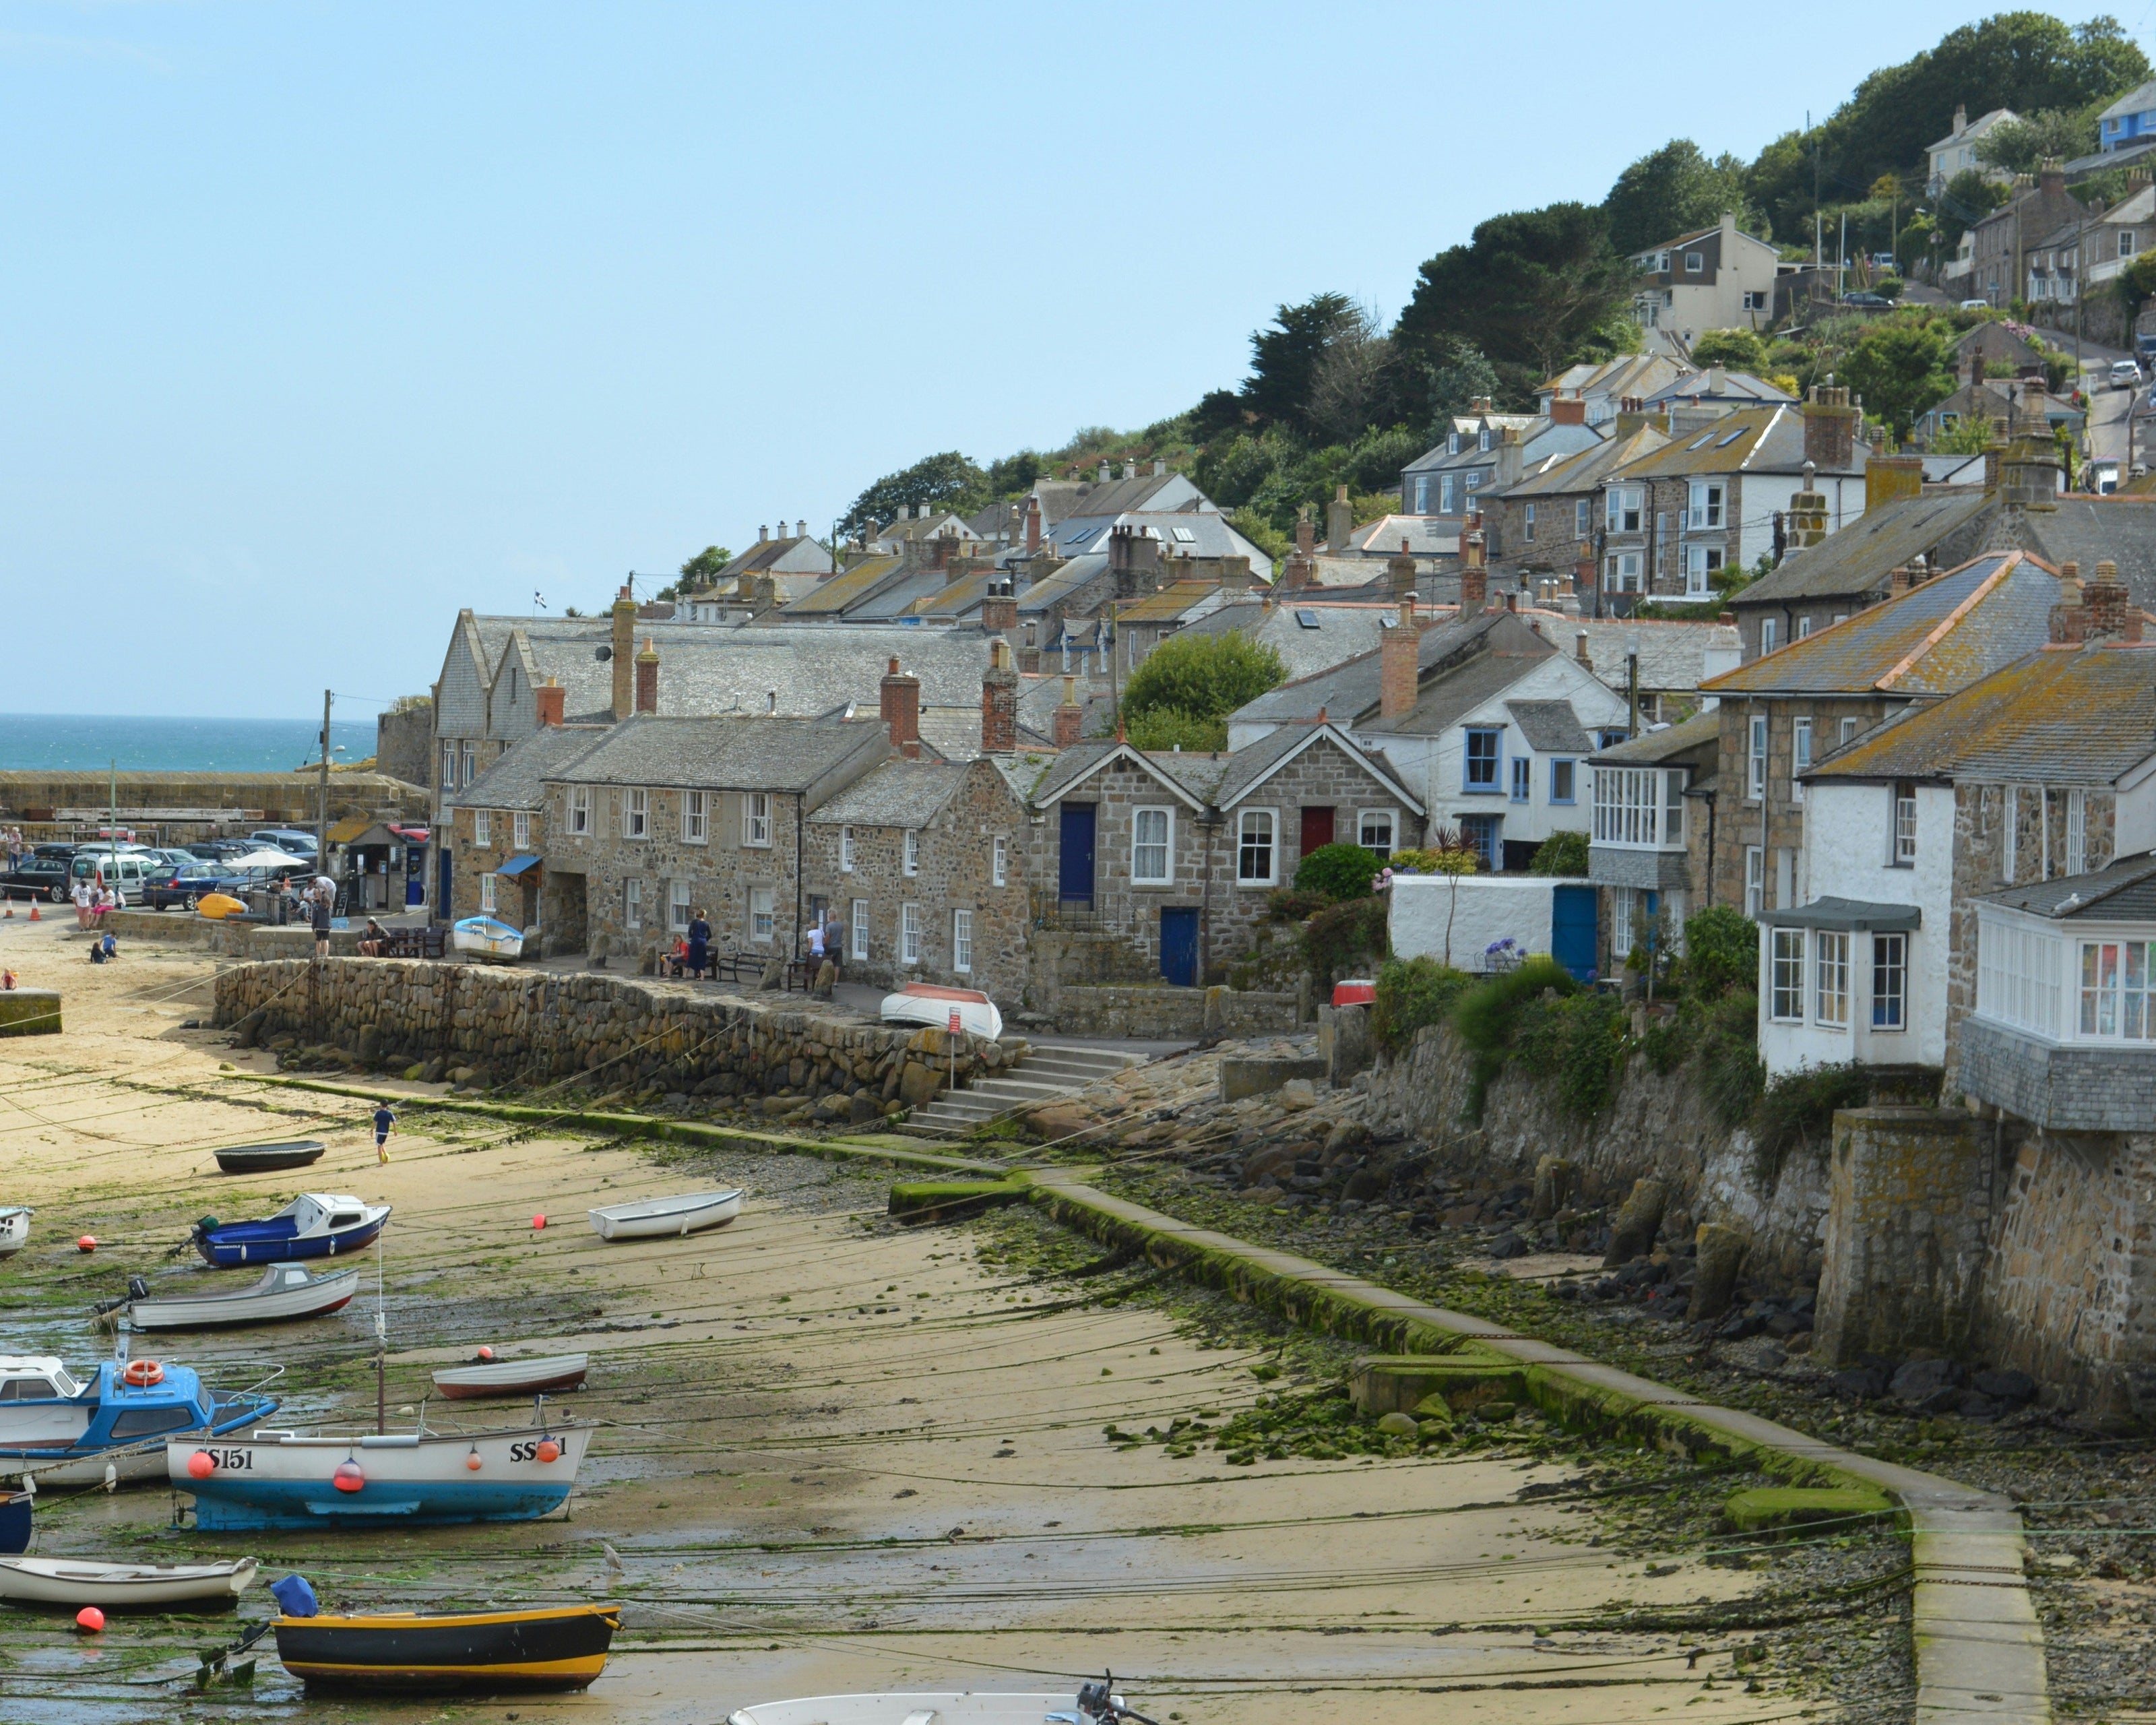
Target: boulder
1919,1380
370,1044
249,1030
431,1073
1557,1183
863,1107
1060,1120
1714,1280
1632,1234
1363,1185
1297,1094
2014,1389
1400,1425
917,1084
1508,1245
1858,1383
1276,1161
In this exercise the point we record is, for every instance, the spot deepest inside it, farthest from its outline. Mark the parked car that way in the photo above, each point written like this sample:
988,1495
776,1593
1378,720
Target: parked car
2125,374
1976,305
60,851
44,877
182,887
212,849
289,838
124,871
1868,302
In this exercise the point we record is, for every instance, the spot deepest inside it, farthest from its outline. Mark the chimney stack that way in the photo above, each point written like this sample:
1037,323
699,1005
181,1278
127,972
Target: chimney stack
1887,477
1806,517
1339,522
624,644
1568,409
1830,428
1106,471
762,534
1398,660
1898,583
1400,571
1033,525
1160,467
1234,576
800,530
2106,598
1000,609
1580,650
647,677
901,711
1306,533
1070,717
548,698
999,700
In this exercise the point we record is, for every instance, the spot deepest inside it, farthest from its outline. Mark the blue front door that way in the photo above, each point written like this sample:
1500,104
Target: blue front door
1572,929
1179,948
1075,879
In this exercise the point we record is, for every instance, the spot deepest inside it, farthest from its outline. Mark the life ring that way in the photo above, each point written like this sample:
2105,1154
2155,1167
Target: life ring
143,1372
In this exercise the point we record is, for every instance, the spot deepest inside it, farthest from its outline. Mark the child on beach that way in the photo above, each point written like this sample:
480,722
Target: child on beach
383,1120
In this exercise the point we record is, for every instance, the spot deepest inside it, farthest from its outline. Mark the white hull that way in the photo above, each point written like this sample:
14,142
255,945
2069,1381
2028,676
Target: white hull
63,1581
976,1017
285,1292
14,1231
962,1707
483,938
666,1218
502,1376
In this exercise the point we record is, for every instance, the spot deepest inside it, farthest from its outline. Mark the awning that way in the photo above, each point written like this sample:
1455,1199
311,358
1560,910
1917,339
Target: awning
518,865
1845,913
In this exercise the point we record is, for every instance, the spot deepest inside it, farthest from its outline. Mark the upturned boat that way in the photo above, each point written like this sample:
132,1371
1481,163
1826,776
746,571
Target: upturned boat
486,937
14,1229
543,1373
285,1479
71,1581
285,1292
1094,1704
315,1224
551,1647
268,1158
663,1218
932,1004
67,1432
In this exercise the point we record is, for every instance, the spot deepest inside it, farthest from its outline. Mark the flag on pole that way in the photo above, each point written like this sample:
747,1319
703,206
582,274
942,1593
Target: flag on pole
538,600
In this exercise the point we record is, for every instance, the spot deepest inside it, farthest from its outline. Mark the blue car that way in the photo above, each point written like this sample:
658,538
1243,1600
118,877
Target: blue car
183,886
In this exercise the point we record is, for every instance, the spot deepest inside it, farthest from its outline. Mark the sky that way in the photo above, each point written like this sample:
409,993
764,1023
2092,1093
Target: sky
321,320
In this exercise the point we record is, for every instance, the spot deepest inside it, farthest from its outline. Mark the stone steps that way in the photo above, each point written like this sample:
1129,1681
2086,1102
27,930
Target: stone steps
1047,1071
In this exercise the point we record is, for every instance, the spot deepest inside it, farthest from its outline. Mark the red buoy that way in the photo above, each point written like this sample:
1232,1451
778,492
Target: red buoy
87,1243
538,1221
90,1618
486,1354
349,1476
202,1465
548,1451
472,1461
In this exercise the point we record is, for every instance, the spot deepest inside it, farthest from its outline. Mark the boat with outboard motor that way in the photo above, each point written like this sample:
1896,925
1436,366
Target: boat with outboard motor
115,1424
315,1224
285,1292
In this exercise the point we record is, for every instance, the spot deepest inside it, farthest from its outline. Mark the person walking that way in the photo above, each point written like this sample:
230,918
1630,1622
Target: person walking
83,900
322,903
383,1120
699,943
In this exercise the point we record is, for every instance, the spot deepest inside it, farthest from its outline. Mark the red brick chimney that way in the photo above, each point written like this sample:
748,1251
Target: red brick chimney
901,711
1398,659
548,697
999,609
647,677
2105,599
1070,717
1474,572
1830,428
1031,524
999,700
1568,409
1306,533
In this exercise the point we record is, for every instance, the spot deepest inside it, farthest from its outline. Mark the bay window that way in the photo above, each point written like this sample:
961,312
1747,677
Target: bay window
1786,999
1831,975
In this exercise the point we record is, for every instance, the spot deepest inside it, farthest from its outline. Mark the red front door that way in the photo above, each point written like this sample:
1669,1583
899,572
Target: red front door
1317,829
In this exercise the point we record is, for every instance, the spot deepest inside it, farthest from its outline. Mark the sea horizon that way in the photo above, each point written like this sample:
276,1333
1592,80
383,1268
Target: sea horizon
145,742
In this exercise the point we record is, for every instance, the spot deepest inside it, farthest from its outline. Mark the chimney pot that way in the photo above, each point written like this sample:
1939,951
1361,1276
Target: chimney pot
1579,649
1070,715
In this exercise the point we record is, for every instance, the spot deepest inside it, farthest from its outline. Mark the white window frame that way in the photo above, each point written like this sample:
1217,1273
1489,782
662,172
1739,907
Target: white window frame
846,850
1755,882
2009,832
1849,727
449,765
1627,508
1770,635
1583,517
1142,826
471,760
580,810
1448,498
486,895
999,860
1785,975
1702,563
696,818
756,820
1257,840
1831,977
1703,505
632,903
1421,493
762,916
962,941
482,829
1890,980
1625,572
1904,829
909,933
911,865
1800,755
1623,918
636,814
857,932
1755,760
678,907
1564,770
1367,819
1527,524
520,829
2076,833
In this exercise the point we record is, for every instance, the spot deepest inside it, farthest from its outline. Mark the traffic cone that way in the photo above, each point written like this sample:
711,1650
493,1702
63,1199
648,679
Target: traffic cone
33,911
10,916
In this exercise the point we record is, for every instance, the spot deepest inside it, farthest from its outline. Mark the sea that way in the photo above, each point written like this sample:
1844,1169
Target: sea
74,742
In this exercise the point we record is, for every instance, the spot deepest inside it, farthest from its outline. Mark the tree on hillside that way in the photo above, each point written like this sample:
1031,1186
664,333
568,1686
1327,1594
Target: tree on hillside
701,570
1900,366
1734,350
1285,355
945,481
1351,385
1530,290
2018,145
1675,190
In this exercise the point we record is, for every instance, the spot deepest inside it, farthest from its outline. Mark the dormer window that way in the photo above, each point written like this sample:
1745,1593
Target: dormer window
1695,263
1452,443
1485,443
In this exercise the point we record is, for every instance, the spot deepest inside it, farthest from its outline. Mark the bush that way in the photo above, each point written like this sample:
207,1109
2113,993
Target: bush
1201,676
1800,1105
1731,1073
1340,938
1487,1015
1339,871
1722,951
1560,853
1411,993
1166,728
1286,905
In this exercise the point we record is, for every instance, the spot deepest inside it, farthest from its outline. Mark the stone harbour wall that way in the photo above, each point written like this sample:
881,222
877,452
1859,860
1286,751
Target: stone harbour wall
533,1028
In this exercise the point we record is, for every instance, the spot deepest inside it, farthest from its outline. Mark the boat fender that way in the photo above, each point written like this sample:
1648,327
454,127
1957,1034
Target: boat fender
548,1451
350,1476
485,1354
143,1372
89,1619
201,1465
472,1461
138,1288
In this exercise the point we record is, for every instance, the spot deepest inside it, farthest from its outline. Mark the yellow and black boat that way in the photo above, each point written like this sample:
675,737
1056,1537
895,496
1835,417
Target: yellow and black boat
552,1647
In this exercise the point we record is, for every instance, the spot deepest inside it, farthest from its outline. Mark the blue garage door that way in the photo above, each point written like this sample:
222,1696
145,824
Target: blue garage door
1179,948
1074,878
1572,930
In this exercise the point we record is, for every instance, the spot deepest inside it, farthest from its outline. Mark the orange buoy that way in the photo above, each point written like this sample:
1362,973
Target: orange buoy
548,1451
87,1243
90,1618
472,1461
202,1465
349,1476
486,1354
538,1222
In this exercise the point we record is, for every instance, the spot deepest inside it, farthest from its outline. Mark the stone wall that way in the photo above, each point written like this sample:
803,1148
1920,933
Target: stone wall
1154,1012
404,744
536,1028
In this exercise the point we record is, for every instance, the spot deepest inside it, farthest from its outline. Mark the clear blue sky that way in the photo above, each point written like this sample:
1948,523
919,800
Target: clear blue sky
318,320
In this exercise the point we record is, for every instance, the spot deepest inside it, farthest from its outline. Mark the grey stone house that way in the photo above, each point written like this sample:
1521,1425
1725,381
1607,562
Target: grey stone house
495,828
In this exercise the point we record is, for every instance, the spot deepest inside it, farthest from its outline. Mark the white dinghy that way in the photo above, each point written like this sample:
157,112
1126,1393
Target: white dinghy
285,1292
662,1218
14,1229
1092,1705
121,1587
932,1005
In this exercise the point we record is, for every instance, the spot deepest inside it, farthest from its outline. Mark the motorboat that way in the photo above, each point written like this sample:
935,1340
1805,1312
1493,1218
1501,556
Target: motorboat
285,1292
932,1004
543,1374
547,1647
486,937
289,1479
1094,1704
72,1583
67,1432
315,1224
663,1218
14,1229
268,1158
15,1507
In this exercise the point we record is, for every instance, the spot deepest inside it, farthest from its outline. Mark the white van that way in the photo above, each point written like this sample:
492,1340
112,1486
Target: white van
125,873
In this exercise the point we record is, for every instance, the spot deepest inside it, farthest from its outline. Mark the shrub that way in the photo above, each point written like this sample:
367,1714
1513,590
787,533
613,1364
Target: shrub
1201,677
1287,905
1443,859
1731,1073
1412,992
1487,1015
1340,936
1166,728
1560,853
1799,1105
1339,871
1722,951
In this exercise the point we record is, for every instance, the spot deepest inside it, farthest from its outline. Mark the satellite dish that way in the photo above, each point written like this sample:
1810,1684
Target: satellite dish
603,653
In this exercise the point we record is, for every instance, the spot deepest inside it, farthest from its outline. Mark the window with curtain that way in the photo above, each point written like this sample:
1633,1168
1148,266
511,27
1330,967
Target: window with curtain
1787,976
1150,830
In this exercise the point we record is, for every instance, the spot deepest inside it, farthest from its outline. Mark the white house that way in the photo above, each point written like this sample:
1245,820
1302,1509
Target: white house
1956,152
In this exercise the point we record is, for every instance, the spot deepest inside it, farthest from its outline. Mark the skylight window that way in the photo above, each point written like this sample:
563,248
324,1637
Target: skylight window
1308,619
1183,535
1701,444
1730,439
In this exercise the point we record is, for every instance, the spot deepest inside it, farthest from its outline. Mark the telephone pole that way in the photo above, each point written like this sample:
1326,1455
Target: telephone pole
322,827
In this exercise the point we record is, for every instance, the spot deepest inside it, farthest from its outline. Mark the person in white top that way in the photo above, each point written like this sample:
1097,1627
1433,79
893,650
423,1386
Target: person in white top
83,901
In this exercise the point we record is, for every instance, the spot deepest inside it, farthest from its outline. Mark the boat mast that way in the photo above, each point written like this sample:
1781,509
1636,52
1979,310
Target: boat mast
381,1348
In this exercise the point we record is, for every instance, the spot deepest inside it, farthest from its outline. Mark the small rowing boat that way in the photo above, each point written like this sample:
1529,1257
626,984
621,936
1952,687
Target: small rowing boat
122,1587
488,1376
315,1224
285,1292
553,1647
1092,1705
484,937
661,1217
14,1229
267,1159
932,1004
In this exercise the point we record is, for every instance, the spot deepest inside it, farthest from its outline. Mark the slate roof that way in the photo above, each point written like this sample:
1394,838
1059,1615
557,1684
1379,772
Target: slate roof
1933,640
954,732
1715,384
1179,598
897,598
899,793
1856,561
1653,748
759,557
1333,631
2089,531
2059,715
1428,536
1675,657
1751,440
1585,470
1052,589
516,779
1449,696
1074,764
1551,727
1462,663
2124,892
831,598
1995,341
728,754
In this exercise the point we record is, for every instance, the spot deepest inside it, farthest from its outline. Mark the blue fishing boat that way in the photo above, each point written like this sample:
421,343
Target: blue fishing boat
15,1522
315,1224
69,1432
